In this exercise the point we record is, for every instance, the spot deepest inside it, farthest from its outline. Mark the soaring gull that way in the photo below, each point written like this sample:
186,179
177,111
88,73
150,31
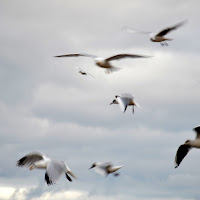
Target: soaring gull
54,168
125,100
82,72
105,62
157,36
185,148
105,168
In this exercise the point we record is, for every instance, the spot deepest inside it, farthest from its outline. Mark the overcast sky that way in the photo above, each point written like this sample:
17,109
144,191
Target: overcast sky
46,105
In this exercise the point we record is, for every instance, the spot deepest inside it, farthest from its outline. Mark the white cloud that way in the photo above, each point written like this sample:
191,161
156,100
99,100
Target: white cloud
6,192
71,195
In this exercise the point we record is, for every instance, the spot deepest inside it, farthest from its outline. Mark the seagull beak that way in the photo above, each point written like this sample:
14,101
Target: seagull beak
31,167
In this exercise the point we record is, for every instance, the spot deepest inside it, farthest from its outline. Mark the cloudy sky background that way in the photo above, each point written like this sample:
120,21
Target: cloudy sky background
46,105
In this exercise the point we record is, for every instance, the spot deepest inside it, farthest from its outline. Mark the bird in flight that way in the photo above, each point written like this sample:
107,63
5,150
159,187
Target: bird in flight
157,36
125,100
54,168
82,72
105,168
105,62
186,147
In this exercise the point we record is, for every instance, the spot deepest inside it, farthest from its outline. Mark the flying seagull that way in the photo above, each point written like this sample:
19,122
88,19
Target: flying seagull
157,36
83,72
125,100
105,63
185,148
54,168
105,168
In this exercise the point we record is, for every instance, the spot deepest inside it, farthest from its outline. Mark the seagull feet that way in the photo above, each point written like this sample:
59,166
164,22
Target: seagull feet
163,44
107,71
116,174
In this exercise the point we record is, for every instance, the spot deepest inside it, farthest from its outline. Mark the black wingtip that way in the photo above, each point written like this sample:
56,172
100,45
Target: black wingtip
68,177
20,162
48,181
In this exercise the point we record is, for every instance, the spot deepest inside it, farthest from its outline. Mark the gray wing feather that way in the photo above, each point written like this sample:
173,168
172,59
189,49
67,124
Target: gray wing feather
133,30
123,103
120,56
30,159
55,169
168,29
76,55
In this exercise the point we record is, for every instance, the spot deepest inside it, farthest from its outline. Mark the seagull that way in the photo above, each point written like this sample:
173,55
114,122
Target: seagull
105,168
125,100
83,72
185,148
105,63
54,168
157,36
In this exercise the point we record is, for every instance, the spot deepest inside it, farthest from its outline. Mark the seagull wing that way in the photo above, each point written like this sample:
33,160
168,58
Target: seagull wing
181,153
126,95
101,171
168,29
69,171
91,75
55,169
120,56
77,55
123,103
79,69
197,130
102,168
30,158
132,30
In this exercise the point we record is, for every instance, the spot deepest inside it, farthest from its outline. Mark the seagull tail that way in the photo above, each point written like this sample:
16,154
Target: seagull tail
137,104
111,70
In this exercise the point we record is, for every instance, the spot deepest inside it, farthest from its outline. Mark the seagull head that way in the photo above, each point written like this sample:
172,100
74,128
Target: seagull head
114,102
187,142
93,165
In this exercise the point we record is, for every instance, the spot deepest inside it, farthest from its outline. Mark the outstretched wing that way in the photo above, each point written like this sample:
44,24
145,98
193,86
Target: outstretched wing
76,55
30,158
123,103
168,29
120,56
197,130
102,168
79,68
181,153
55,169
133,30
91,75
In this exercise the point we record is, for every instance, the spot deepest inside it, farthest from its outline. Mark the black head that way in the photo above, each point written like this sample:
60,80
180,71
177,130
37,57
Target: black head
93,165
113,102
187,141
